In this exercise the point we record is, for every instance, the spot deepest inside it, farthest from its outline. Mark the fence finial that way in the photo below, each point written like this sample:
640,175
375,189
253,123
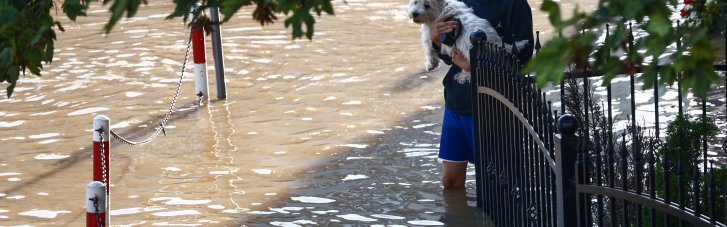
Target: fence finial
478,35
537,42
567,124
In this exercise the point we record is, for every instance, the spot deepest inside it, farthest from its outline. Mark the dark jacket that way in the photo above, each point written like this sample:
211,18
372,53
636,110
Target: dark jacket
509,17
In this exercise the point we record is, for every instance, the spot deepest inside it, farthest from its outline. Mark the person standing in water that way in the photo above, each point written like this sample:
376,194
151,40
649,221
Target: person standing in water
513,21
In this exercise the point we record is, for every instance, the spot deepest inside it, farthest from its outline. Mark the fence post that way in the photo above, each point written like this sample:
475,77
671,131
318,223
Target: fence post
95,204
201,88
566,150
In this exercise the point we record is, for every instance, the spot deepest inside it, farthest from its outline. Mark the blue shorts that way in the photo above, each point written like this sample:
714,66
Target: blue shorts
457,143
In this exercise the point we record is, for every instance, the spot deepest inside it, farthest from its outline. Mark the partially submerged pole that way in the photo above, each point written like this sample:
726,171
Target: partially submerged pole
201,88
217,53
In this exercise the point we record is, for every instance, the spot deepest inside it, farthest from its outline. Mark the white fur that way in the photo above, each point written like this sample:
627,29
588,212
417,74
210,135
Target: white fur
470,24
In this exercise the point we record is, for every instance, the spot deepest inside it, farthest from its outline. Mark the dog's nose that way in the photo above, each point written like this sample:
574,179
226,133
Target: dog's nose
414,14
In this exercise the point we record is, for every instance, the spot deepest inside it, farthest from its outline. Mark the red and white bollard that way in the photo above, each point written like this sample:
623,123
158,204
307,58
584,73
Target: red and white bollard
101,149
101,153
201,88
95,204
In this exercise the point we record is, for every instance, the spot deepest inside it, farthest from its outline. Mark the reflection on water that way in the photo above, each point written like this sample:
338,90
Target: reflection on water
340,130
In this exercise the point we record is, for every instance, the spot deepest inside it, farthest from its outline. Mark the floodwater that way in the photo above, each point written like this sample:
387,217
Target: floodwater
340,130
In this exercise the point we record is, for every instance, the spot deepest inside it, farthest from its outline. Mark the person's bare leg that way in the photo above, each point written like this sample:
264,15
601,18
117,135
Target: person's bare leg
454,174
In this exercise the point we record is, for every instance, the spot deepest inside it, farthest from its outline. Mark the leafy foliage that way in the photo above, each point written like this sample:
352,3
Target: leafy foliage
683,149
691,64
27,27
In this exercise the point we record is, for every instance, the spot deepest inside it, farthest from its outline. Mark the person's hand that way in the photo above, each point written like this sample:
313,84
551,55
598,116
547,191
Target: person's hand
441,25
459,60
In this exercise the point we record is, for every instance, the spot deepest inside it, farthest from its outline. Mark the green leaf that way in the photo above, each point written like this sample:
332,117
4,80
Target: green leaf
553,10
74,8
659,25
9,89
549,64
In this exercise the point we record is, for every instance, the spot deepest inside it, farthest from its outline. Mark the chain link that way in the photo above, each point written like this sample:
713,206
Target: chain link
104,172
98,213
160,129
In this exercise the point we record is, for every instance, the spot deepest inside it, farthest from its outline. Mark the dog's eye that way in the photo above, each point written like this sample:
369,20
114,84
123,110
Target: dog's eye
415,2
426,6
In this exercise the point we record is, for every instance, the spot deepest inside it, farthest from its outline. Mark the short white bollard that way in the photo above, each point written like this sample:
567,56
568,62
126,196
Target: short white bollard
101,149
95,204
101,160
201,88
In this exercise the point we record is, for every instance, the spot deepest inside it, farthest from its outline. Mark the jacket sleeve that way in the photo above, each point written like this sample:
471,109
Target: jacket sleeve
446,59
521,23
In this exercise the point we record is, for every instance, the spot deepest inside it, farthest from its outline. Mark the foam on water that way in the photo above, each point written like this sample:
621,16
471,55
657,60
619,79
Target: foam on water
359,146
425,222
293,223
222,172
176,213
51,156
173,169
44,213
132,94
216,207
311,199
385,216
134,210
374,132
353,102
356,217
354,177
87,111
324,211
180,201
44,135
262,171
8,174
48,141
6,124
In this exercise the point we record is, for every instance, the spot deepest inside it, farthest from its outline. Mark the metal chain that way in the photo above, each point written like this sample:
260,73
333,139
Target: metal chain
160,129
98,214
104,174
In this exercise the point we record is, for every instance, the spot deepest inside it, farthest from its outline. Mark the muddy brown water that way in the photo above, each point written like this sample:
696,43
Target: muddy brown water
340,130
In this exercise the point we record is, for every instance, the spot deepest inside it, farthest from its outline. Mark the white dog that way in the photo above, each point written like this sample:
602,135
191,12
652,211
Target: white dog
424,12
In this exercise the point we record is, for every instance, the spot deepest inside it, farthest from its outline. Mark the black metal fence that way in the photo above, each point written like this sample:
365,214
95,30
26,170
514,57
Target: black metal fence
527,175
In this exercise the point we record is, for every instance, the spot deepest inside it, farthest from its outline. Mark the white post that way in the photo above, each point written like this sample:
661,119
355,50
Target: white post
101,156
95,204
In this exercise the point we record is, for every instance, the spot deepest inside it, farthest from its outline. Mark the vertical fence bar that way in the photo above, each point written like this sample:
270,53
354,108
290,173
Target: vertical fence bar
711,194
667,175
599,178
611,178
679,76
566,143
695,191
652,182
474,63
704,139
624,180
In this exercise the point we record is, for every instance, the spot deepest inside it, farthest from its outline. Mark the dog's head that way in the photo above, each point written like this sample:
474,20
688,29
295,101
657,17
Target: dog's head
425,11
